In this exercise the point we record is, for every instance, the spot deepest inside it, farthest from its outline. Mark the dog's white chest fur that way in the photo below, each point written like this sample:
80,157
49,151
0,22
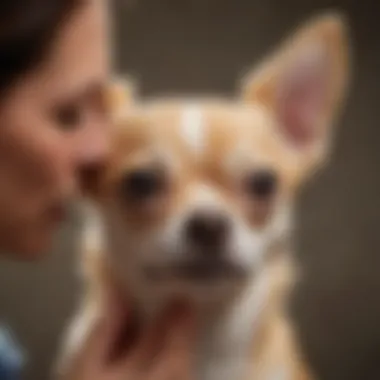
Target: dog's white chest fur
226,341
226,333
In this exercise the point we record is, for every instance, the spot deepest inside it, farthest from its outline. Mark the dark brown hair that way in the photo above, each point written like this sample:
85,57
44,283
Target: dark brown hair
27,29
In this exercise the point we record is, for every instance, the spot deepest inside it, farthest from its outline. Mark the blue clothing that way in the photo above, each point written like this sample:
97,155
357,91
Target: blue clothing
11,358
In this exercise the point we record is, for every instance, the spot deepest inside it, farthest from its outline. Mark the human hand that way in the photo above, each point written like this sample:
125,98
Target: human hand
161,353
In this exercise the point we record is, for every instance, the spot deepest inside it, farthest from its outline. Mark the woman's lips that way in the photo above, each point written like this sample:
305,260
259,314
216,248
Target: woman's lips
57,213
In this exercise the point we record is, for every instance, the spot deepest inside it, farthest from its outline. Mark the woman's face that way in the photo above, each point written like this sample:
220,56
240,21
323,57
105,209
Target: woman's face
53,126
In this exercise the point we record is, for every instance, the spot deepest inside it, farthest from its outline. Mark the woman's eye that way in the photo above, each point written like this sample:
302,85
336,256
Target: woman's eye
69,116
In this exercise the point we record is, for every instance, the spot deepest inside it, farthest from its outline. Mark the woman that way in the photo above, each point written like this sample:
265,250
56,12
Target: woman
54,62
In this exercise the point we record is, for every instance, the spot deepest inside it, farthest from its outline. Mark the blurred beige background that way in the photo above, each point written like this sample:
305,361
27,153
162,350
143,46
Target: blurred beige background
203,46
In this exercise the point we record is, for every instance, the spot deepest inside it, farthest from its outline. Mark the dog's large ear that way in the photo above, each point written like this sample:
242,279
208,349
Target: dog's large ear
304,83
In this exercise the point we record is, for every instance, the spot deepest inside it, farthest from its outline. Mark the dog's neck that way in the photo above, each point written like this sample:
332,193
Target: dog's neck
235,329
227,332
225,328
232,328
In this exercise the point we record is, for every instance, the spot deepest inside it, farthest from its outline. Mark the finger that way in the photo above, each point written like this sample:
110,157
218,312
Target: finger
156,337
173,366
181,331
171,371
108,328
175,359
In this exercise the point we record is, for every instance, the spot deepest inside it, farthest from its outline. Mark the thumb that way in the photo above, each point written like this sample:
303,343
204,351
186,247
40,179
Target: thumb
174,360
180,336
170,337
108,328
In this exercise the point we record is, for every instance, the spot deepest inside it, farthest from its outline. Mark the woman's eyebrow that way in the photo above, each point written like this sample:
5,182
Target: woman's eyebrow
93,89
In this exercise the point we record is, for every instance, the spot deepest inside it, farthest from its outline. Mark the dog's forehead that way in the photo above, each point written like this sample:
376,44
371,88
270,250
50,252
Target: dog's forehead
204,126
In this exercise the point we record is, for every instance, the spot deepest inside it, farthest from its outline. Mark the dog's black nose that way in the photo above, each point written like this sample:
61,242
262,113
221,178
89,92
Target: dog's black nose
207,229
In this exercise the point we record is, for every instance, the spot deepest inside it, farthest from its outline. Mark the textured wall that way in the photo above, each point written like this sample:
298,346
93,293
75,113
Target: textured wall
203,46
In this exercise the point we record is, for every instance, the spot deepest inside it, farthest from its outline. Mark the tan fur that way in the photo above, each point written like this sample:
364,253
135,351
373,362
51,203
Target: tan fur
237,137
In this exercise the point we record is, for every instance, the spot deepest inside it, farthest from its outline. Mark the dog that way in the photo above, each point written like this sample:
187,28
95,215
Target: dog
196,202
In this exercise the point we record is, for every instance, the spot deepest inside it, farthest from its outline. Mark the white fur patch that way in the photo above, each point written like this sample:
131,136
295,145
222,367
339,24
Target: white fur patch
279,374
192,127
225,347
76,337
93,231
204,196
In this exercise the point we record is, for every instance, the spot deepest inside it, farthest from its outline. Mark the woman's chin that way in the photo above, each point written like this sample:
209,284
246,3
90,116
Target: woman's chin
28,248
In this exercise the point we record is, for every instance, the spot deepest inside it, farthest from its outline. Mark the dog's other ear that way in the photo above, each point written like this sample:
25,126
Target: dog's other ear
119,96
304,83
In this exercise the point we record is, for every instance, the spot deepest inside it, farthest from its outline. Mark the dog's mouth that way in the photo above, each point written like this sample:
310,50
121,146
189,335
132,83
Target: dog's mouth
204,271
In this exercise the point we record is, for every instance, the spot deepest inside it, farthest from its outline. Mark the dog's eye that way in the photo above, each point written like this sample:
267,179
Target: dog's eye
261,184
141,184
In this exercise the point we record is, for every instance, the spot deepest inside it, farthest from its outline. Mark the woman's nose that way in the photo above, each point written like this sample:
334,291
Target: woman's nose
92,154
94,145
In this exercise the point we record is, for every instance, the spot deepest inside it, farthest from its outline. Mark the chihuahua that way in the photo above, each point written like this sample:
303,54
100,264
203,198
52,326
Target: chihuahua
196,202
